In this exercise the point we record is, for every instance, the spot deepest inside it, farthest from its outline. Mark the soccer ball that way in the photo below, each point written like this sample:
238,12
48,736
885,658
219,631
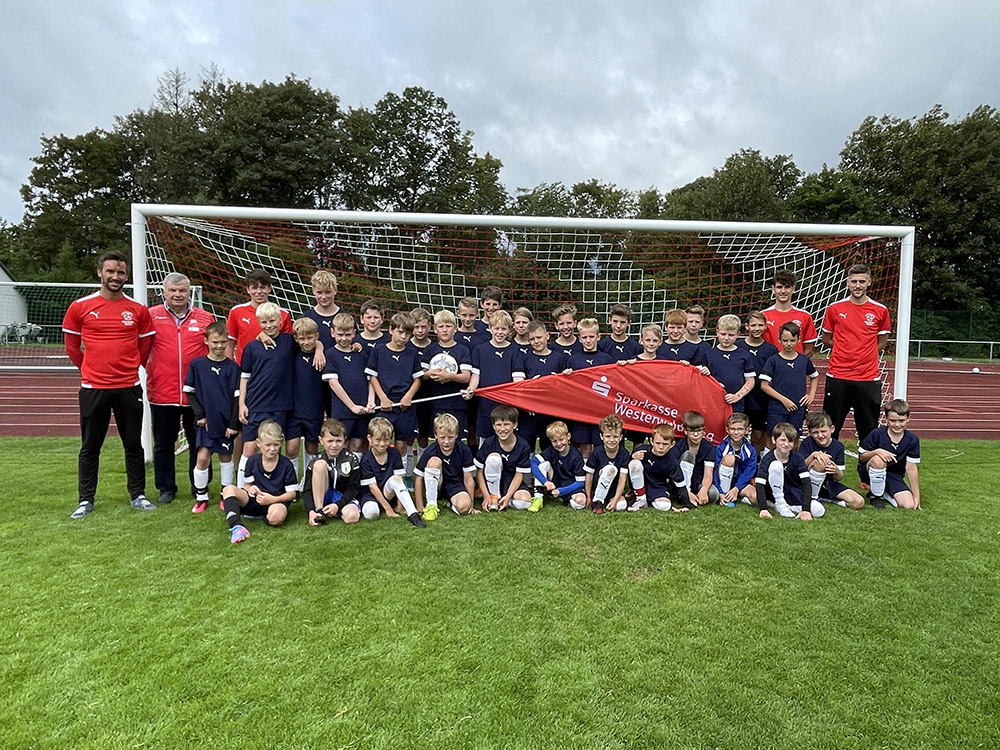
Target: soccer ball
443,361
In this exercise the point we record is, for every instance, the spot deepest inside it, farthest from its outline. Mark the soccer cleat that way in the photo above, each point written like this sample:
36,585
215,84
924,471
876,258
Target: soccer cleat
199,506
141,503
494,503
416,520
785,510
165,498
638,504
430,513
237,534
598,509
877,501
82,510
891,500
536,504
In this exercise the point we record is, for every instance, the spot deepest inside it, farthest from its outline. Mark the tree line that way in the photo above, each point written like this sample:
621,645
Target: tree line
291,144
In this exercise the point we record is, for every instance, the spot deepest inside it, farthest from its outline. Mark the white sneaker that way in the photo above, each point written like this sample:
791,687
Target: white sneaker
785,510
141,503
639,504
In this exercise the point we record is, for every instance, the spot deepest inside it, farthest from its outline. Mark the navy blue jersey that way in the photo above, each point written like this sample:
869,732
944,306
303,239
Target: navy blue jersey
582,360
567,350
515,461
835,450
453,466
660,471
703,457
374,473
523,348
369,345
395,371
795,471
685,350
214,385
598,459
496,364
627,349
268,372
746,462
788,376
537,365
277,481
759,354
348,369
731,369
566,470
472,339
307,387
907,450
324,324
463,358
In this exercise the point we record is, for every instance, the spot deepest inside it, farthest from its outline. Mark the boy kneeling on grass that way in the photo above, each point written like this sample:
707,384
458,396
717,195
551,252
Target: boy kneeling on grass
447,464
268,489
334,480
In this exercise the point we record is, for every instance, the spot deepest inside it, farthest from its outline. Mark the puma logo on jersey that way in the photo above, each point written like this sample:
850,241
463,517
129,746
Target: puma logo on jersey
499,354
621,348
95,313
790,364
725,356
266,474
542,360
347,358
217,370
505,456
843,315
753,352
395,357
246,320
306,359
675,350
589,361
446,461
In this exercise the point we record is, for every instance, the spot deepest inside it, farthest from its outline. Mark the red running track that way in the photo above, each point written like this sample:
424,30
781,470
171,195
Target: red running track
948,400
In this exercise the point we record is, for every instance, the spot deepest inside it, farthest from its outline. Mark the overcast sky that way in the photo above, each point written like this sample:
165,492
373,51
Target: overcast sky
634,92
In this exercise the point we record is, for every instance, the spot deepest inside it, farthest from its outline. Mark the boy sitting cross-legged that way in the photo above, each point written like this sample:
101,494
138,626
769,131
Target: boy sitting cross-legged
269,485
382,476
333,483
889,454
736,463
824,457
609,462
558,470
504,461
656,474
447,465
696,455
783,479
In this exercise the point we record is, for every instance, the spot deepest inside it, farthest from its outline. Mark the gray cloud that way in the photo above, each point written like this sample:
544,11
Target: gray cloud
636,92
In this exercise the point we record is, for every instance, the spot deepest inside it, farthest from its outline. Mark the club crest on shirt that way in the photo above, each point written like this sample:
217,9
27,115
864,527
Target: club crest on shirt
345,467
869,319
127,319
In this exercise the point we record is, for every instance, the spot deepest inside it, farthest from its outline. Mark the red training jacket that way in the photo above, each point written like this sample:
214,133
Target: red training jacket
176,343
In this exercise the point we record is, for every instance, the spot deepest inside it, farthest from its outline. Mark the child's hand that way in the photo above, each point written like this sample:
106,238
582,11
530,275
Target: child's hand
705,371
319,360
316,518
230,432
804,401
404,403
356,347
551,487
504,502
788,404
386,404
623,362
639,455
266,340
244,414
203,422
391,513
731,398
467,394
805,516
359,410
730,497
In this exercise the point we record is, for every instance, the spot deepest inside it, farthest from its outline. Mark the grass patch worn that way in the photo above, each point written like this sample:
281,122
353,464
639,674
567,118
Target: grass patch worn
711,629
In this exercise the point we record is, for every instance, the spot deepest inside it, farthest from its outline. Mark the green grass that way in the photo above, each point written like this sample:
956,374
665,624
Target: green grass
711,629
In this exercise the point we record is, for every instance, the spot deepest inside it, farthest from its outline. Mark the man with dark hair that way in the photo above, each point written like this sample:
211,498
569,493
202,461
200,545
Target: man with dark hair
857,331
108,336
180,338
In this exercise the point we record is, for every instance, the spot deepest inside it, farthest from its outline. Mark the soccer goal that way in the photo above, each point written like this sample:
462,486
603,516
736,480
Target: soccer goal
433,260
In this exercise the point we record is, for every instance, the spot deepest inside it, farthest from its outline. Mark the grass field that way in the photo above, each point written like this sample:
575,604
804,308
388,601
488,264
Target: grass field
711,629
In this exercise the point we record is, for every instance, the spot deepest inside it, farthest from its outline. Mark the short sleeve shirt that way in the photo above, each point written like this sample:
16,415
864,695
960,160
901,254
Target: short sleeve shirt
855,330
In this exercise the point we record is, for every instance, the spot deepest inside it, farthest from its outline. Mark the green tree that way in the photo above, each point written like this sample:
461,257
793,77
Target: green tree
591,199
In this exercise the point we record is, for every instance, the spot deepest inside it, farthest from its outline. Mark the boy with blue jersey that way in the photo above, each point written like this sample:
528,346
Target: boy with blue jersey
371,334
421,341
755,404
265,374
783,479
619,345
324,289
212,387
736,463
676,348
308,393
522,318
890,455
445,377
696,456
504,461
382,477
471,331
558,470
269,488
656,475
729,364
352,397
333,482
608,465
784,380
565,321
446,466
395,372
540,361
824,457
495,362
584,436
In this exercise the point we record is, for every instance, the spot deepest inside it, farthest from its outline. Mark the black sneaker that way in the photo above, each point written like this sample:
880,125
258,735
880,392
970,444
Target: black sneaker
416,520
598,509
165,498
877,501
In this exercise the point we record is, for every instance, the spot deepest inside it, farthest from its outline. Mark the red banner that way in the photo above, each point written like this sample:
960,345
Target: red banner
643,394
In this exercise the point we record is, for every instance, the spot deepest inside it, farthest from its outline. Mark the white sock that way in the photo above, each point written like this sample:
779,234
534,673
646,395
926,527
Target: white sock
876,478
492,469
201,483
226,469
432,483
621,505
776,479
241,472
395,484
295,466
662,503
726,478
816,479
575,505
370,510
604,480
520,504
637,477
816,508
687,468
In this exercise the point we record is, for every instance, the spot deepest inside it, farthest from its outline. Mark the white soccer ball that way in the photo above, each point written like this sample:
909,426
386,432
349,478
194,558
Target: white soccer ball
975,369
443,361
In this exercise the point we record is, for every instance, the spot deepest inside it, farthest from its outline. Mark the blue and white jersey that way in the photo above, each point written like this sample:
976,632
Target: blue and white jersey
582,360
277,481
759,354
795,470
906,449
746,462
731,369
659,471
835,450
627,349
536,365
348,369
497,364
523,348
395,371
598,459
268,372
788,376
567,469
567,350
463,358
214,385
374,473
686,351
308,388
453,466
515,461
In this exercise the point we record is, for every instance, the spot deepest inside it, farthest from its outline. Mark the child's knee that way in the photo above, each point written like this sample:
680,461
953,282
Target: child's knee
876,462
462,504
350,514
728,460
276,514
434,463
370,510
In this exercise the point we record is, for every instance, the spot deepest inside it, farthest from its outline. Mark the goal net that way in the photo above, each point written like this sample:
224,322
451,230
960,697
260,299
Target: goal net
433,260
31,315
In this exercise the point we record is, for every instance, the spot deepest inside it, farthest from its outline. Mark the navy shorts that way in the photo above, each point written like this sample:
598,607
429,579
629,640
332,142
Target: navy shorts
776,413
831,489
255,419
307,427
582,433
425,427
355,427
253,509
404,423
219,446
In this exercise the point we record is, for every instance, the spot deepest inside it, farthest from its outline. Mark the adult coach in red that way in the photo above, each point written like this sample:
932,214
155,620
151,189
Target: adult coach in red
857,331
180,337
108,336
